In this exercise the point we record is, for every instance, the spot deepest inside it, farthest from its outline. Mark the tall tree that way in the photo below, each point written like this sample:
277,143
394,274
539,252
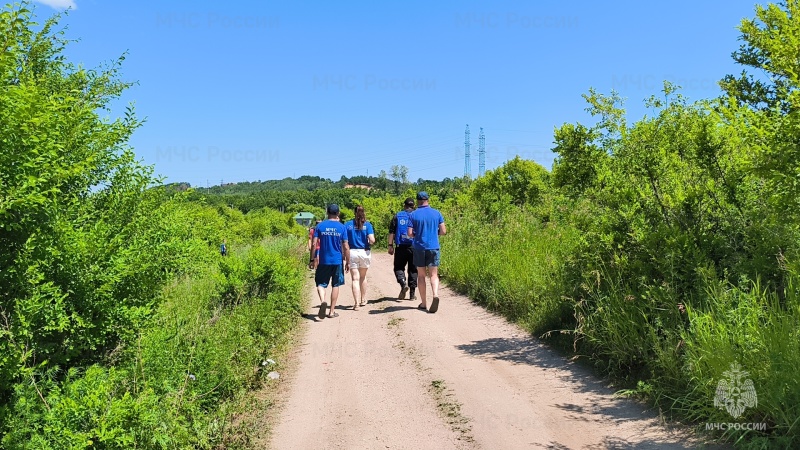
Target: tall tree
400,177
765,111
770,44
383,178
579,159
71,207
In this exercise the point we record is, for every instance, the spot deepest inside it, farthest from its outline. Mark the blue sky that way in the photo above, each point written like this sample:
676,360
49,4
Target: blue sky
247,90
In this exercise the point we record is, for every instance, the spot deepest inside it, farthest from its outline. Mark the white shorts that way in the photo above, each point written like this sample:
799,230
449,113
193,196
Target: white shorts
359,258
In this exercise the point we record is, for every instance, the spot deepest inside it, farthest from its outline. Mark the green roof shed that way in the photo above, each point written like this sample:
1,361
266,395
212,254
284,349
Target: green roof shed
304,218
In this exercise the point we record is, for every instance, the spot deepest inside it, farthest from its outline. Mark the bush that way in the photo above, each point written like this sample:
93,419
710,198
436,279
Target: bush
645,255
171,386
514,265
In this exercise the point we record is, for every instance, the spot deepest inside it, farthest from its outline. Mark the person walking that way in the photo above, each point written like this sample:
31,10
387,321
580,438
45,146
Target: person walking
427,224
360,238
333,248
400,245
223,248
315,254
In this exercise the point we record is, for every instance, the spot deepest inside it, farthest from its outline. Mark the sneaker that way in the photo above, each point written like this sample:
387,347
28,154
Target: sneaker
323,309
434,305
413,295
403,292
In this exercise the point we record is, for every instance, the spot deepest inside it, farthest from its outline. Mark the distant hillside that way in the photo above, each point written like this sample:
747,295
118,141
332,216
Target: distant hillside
308,192
311,183
287,184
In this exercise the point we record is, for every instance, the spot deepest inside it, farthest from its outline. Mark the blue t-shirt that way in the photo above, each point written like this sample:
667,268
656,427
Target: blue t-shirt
358,238
331,234
425,222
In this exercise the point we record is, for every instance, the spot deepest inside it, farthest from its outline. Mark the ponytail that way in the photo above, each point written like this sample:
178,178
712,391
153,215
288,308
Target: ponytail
361,217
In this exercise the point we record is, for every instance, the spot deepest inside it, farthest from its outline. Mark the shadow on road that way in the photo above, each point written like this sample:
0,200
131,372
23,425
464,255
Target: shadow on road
519,350
391,309
622,444
527,350
383,299
397,305
603,407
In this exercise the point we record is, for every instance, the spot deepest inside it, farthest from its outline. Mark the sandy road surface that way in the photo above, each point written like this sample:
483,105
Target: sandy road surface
391,376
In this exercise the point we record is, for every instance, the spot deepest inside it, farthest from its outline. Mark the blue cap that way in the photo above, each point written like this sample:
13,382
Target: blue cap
422,195
333,208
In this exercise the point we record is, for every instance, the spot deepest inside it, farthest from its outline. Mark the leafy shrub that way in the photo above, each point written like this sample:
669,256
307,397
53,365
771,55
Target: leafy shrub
664,224
172,384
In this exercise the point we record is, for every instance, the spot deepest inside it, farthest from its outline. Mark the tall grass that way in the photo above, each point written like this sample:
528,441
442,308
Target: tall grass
672,347
761,331
514,265
175,387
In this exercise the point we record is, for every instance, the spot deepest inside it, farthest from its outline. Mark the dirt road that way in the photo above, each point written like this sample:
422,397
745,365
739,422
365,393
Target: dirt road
391,376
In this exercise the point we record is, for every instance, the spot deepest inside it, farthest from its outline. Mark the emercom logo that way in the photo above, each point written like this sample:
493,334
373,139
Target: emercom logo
735,392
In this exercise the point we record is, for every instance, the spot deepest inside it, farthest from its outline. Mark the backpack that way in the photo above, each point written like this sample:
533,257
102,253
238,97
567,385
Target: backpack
401,234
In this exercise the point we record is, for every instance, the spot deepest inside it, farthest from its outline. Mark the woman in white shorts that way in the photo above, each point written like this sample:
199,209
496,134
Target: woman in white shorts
360,236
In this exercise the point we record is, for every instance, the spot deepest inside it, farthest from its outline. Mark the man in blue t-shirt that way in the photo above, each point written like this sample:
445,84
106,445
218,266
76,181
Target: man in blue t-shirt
333,249
427,224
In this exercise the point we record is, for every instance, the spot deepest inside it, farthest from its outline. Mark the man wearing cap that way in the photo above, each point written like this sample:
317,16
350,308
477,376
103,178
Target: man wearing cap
400,245
427,224
333,248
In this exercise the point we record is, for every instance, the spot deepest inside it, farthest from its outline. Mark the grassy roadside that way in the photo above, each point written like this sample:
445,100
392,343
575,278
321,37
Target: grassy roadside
668,348
513,267
257,412
210,341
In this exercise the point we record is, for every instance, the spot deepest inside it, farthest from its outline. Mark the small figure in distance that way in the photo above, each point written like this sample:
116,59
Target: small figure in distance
400,245
223,248
427,224
333,249
315,254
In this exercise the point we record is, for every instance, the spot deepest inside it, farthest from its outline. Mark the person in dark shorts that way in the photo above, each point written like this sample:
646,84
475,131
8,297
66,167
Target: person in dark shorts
400,245
315,254
333,249
427,224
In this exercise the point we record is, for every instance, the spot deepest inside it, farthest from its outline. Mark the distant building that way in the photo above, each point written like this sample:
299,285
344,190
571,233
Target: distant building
304,218
357,186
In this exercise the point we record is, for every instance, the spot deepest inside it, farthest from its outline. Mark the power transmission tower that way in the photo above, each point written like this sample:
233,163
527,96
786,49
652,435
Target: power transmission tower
481,153
467,166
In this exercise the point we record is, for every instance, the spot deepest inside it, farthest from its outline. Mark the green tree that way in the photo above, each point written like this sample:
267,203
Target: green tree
75,270
517,182
383,182
765,111
400,177
579,159
769,44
